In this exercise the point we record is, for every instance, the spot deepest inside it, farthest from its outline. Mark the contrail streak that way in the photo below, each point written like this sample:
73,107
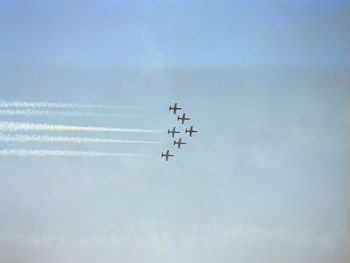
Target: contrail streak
30,112
43,153
30,138
24,126
24,104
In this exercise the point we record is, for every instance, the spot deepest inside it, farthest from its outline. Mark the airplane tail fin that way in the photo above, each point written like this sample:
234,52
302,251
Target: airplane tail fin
169,108
168,131
174,142
186,131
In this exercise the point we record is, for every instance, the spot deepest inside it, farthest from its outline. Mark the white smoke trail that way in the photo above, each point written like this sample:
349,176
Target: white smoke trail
30,138
24,126
24,104
43,153
30,112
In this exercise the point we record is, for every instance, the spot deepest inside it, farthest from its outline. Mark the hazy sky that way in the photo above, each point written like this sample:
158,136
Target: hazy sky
265,82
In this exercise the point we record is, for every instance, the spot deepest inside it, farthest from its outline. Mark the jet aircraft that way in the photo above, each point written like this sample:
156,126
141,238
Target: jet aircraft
190,131
174,108
173,131
179,143
183,118
166,155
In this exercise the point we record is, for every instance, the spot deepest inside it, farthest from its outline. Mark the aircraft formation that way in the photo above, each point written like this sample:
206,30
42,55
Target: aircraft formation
173,132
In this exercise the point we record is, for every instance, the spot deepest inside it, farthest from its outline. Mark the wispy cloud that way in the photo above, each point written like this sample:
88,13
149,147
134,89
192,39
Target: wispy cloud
24,104
31,112
24,126
34,138
44,153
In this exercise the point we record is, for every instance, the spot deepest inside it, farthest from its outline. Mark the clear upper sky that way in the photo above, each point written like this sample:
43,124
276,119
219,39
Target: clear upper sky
181,33
265,180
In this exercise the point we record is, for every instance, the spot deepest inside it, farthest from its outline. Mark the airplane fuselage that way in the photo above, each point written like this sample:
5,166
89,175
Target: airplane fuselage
183,118
190,131
179,143
166,155
174,108
173,132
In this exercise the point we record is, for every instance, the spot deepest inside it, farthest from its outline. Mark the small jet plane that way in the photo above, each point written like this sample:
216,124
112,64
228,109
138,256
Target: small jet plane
190,131
179,143
183,118
166,155
173,132
174,108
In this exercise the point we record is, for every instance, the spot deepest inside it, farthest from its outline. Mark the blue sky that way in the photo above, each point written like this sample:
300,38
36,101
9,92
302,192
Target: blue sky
265,82
181,33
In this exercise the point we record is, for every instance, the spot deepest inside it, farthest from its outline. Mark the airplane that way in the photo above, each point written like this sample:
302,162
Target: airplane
166,155
190,131
183,118
173,132
174,108
179,143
